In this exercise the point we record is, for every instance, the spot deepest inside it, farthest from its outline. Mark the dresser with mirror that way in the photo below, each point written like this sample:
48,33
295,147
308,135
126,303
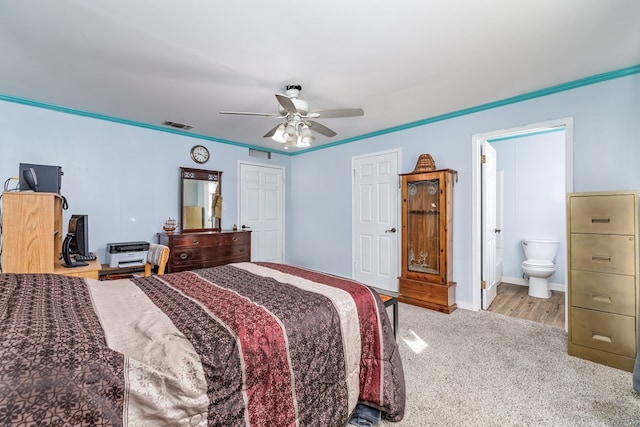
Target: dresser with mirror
200,241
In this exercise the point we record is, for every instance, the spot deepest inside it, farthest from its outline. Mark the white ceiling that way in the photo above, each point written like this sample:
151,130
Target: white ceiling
401,61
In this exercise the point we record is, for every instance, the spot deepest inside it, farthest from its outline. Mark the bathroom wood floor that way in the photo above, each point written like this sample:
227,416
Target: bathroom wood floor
514,301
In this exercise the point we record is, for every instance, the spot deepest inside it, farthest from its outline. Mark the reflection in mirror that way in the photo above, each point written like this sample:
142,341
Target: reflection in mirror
201,200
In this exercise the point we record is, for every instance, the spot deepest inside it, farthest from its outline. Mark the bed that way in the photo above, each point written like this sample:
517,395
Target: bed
256,344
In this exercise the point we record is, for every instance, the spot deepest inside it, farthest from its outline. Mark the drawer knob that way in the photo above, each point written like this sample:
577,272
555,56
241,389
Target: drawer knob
234,238
195,242
183,256
241,250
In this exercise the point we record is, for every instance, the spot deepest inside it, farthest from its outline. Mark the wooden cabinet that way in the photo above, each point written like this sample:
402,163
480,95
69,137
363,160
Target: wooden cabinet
189,251
603,282
32,235
427,218
31,232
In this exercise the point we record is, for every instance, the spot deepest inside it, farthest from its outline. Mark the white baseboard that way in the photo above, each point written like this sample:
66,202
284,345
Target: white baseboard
560,287
465,306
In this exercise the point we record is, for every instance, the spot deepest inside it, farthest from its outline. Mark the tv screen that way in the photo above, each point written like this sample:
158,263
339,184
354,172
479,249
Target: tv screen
40,178
79,228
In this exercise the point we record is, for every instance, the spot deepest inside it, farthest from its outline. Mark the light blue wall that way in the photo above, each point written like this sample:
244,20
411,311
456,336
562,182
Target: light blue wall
606,157
117,173
126,178
534,197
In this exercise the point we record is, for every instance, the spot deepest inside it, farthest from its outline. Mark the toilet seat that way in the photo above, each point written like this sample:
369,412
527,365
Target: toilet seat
538,263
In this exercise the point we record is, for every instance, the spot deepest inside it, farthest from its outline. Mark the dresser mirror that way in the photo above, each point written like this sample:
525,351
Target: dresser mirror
200,200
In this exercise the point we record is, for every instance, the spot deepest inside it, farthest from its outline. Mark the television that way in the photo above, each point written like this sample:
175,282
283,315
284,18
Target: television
77,240
40,178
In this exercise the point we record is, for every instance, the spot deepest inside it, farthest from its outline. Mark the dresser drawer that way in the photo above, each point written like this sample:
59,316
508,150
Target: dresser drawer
191,251
428,292
603,253
613,293
204,254
614,214
613,333
207,240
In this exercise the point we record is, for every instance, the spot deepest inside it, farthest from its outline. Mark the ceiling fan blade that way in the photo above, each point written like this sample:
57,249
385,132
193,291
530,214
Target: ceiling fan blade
244,113
322,129
338,112
286,103
271,132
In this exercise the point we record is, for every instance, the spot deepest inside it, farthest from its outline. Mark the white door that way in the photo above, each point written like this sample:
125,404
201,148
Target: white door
489,250
375,220
261,206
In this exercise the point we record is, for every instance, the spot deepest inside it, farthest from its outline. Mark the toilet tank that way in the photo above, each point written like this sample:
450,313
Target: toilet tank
540,249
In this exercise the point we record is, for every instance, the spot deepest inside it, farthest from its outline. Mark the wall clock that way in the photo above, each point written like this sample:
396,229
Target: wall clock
200,154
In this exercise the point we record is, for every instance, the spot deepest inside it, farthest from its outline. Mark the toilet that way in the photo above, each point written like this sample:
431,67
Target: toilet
539,265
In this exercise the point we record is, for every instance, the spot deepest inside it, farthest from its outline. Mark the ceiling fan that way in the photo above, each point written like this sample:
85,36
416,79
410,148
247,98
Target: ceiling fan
296,126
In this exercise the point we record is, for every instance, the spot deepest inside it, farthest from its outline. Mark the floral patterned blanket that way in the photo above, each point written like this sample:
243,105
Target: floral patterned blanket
247,344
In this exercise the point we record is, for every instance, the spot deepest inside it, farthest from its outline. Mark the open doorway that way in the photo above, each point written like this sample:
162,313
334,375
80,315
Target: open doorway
478,269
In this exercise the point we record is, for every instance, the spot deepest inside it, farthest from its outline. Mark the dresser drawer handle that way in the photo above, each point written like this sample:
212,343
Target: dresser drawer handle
601,298
600,220
602,338
598,258
241,250
183,256
195,242
234,238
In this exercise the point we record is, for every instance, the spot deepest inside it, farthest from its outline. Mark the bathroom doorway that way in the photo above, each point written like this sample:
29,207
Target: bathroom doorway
514,301
563,126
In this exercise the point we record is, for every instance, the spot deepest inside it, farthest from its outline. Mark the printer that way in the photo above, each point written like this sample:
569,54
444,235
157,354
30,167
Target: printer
127,254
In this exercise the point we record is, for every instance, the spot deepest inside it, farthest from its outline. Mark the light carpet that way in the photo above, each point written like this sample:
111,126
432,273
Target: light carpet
485,369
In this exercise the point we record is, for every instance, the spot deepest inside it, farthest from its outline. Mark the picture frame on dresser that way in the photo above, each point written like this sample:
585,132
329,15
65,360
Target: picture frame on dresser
201,242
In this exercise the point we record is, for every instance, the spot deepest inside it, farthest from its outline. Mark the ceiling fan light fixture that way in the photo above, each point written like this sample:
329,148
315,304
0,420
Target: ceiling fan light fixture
296,126
306,138
290,129
278,136
290,139
305,130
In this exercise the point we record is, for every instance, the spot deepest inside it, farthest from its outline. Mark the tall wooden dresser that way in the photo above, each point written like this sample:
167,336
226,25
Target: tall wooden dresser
192,250
32,235
603,281
32,231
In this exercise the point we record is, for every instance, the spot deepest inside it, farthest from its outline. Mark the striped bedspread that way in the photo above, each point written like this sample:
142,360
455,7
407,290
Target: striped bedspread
247,344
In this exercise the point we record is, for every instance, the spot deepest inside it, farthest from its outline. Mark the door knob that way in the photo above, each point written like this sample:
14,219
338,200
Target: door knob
498,230
245,226
391,230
